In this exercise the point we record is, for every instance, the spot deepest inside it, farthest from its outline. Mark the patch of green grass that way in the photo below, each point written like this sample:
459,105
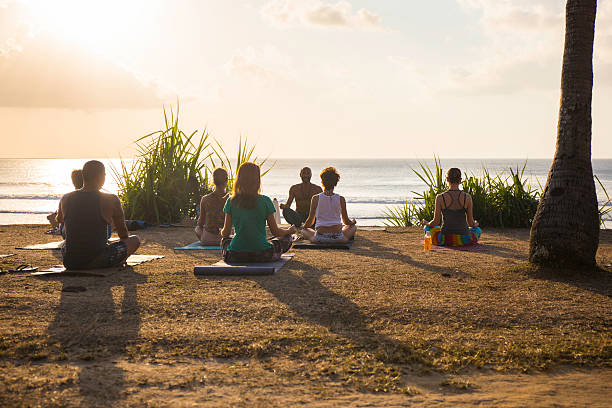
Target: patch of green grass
458,384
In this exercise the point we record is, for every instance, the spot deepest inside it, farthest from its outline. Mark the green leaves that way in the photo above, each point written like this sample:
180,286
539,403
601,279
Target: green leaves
219,158
499,201
170,173
166,179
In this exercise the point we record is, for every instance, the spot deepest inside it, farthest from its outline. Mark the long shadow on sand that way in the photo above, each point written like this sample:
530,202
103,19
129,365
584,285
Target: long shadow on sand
93,330
308,297
368,247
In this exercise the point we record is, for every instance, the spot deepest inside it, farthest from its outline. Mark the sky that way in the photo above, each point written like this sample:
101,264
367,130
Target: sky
298,78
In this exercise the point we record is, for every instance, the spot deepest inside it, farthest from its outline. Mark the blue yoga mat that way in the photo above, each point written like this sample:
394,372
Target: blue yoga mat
198,246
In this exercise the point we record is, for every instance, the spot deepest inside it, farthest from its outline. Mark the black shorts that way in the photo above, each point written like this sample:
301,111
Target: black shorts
114,254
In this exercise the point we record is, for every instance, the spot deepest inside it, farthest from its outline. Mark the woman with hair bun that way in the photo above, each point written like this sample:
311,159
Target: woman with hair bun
454,208
329,210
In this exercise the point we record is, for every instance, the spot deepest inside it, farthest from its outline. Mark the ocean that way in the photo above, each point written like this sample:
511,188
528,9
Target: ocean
30,189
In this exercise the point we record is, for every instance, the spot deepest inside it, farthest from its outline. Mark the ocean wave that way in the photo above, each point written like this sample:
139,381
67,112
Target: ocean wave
30,196
24,212
20,183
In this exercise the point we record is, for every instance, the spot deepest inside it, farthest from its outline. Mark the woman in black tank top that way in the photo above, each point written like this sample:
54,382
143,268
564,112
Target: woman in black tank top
454,211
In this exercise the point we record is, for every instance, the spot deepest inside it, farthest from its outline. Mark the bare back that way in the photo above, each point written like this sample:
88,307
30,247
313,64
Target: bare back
303,194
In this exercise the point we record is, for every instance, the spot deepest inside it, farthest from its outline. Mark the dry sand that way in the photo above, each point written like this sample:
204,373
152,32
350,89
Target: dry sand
384,324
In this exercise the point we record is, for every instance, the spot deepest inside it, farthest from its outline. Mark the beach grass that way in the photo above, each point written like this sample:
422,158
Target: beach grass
244,153
372,320
168,176
502,200
170,173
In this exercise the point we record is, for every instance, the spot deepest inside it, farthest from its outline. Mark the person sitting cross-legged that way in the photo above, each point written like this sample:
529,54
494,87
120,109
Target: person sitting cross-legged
211,217
302,193
248,211
86,214
454,208
329,210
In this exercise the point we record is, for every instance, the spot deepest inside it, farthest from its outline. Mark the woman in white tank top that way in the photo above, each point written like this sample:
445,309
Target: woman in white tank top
329,210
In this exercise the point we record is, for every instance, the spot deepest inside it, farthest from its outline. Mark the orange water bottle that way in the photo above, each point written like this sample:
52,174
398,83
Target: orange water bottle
427,243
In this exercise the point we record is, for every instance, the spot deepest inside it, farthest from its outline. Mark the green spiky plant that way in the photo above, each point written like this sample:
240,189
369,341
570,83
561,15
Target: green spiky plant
499,200
502,200
403,215
167,177
605,208
244,153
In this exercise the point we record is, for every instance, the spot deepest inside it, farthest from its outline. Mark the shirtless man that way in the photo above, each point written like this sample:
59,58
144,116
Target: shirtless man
211,210
86,214
303,194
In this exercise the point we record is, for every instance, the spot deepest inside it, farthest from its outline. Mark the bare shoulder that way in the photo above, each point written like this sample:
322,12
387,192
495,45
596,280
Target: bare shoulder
205,198
317,189
293,188
67,196
111,199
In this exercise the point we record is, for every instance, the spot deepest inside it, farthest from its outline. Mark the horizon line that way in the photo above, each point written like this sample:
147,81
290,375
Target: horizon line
315,158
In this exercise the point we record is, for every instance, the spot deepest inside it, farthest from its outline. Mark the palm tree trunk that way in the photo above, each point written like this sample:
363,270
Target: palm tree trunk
565,230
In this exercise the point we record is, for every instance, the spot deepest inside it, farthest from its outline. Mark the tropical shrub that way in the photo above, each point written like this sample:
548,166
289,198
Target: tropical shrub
245,153
167,177
499,201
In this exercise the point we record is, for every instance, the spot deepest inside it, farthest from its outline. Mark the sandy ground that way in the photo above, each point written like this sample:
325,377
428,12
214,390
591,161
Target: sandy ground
384,324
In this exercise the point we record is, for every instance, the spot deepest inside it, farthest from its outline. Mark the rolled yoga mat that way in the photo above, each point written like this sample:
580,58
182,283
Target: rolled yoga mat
244,269
319,245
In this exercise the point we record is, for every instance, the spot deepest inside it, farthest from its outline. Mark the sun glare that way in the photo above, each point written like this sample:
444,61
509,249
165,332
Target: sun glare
102,25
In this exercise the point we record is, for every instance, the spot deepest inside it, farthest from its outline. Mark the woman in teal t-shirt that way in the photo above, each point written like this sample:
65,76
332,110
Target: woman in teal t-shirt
247,211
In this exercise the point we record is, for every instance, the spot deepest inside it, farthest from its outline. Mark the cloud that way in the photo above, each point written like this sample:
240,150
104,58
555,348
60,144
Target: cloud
41,72
506,77
523,47
265,65
529,15
316,13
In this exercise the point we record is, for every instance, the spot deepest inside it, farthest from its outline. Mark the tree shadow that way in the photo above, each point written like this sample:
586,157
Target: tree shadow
90,327
367,247
597,279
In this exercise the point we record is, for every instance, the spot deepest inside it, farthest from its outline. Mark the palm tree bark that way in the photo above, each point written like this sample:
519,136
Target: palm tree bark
565,229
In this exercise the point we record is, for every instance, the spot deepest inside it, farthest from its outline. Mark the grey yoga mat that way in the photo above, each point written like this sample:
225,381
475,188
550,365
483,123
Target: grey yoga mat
197,246
245,269
318,245
133,260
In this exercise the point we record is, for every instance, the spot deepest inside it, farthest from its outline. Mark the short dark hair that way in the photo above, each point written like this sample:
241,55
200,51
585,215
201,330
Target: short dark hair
77,178
92,170
330,177
454,175
220,176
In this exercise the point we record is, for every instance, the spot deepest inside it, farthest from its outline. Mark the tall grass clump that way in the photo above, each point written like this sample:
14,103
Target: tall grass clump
167,177
245,153
403,215
501,200
606,207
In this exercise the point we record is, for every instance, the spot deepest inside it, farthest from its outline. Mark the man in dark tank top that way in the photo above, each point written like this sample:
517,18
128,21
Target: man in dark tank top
86,214
302,193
